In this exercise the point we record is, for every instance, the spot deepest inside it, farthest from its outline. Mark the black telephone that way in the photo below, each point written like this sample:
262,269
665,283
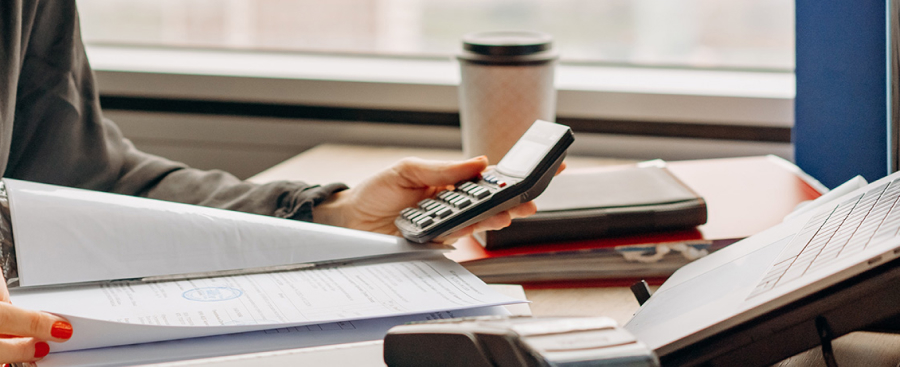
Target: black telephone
522,175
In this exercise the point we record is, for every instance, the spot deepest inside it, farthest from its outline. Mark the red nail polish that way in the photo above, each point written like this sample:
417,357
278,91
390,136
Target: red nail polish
61,330
41,349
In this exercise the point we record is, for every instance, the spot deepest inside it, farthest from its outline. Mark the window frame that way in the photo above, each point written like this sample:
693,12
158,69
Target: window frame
743,105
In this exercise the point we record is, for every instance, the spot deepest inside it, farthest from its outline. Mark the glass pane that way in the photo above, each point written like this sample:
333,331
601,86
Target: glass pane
757,34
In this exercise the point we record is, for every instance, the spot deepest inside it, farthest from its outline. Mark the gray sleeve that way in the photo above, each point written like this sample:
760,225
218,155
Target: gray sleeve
8,262
60,136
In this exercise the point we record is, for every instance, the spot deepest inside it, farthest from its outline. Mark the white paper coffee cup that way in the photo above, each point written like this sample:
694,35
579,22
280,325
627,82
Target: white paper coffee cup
506,84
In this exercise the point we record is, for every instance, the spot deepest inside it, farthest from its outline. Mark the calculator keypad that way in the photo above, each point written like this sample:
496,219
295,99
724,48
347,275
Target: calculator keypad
435,209
456,199
418,218
430,211
478,192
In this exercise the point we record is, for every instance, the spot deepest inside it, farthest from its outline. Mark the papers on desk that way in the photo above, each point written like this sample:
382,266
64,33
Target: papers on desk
124,312
65,235
251,342
80,251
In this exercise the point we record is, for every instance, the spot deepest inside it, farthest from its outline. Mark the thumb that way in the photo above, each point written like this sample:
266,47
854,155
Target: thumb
419,172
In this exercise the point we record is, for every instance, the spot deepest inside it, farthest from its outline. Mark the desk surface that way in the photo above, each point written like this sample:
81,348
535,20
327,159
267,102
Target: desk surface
351,164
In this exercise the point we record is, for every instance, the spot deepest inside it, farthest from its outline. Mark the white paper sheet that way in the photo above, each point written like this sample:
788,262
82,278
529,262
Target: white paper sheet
65,235
120,313
251,342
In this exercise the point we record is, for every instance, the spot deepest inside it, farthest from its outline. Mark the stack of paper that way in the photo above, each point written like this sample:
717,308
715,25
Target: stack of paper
79,252
349,296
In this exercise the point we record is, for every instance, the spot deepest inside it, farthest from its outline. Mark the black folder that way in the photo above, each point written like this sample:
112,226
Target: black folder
600,203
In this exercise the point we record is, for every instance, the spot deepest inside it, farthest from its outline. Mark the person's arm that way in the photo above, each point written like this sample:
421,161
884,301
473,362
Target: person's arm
60,136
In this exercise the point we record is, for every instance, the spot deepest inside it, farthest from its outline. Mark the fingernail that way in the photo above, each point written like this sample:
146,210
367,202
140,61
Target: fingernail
61,330
41,349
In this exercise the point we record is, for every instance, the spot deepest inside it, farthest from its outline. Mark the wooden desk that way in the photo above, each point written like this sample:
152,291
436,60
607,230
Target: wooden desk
351,164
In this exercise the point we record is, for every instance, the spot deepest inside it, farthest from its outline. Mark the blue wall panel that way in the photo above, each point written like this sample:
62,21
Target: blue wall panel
840,127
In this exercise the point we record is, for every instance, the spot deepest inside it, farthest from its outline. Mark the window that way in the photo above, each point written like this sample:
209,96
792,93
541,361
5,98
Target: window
633,73
734,34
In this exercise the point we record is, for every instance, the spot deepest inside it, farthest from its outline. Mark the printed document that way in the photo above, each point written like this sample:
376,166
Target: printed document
251,342
129,312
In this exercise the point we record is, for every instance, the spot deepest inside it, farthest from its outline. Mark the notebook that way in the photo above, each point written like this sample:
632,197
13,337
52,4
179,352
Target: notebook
827,272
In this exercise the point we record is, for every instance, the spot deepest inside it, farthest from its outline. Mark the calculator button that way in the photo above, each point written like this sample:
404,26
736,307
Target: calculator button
410,214
443,212
462,202
480,193
474,190
456,198
429,205
438,210
424,221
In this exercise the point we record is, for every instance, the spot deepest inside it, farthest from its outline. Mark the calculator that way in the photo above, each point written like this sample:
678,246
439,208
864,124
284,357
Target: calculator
522,175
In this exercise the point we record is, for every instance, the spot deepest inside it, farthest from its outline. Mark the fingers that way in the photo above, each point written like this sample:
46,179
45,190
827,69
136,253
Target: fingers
562,167
25,332
4,291
523,210
416,172
28,323
23,350
499,221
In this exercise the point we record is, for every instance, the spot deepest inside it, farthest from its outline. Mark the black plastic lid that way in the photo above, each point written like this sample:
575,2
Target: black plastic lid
508,47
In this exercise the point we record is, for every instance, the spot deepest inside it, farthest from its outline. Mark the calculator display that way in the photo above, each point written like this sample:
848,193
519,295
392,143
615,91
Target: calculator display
522,158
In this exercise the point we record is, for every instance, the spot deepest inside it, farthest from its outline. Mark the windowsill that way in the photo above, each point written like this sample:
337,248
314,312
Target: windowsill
745,98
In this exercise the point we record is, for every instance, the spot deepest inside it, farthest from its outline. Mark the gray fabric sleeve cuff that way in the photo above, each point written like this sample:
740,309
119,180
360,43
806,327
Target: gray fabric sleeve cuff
7,245
299,204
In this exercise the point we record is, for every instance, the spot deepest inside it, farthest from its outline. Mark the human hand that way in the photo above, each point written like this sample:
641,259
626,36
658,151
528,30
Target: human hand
24,333
375,203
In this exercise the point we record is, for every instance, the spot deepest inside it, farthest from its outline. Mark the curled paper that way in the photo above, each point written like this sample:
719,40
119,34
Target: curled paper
66,235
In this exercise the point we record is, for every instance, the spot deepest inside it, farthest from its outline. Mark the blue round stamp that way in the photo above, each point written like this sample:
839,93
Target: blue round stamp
212,294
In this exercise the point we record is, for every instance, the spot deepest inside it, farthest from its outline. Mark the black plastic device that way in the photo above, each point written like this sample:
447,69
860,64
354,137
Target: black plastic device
502,341
522,175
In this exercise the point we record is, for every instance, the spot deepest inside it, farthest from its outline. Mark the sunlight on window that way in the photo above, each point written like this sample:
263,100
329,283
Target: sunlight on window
746,34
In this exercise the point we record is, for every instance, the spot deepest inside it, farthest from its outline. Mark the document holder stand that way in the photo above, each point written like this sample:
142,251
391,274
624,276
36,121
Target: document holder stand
867,302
